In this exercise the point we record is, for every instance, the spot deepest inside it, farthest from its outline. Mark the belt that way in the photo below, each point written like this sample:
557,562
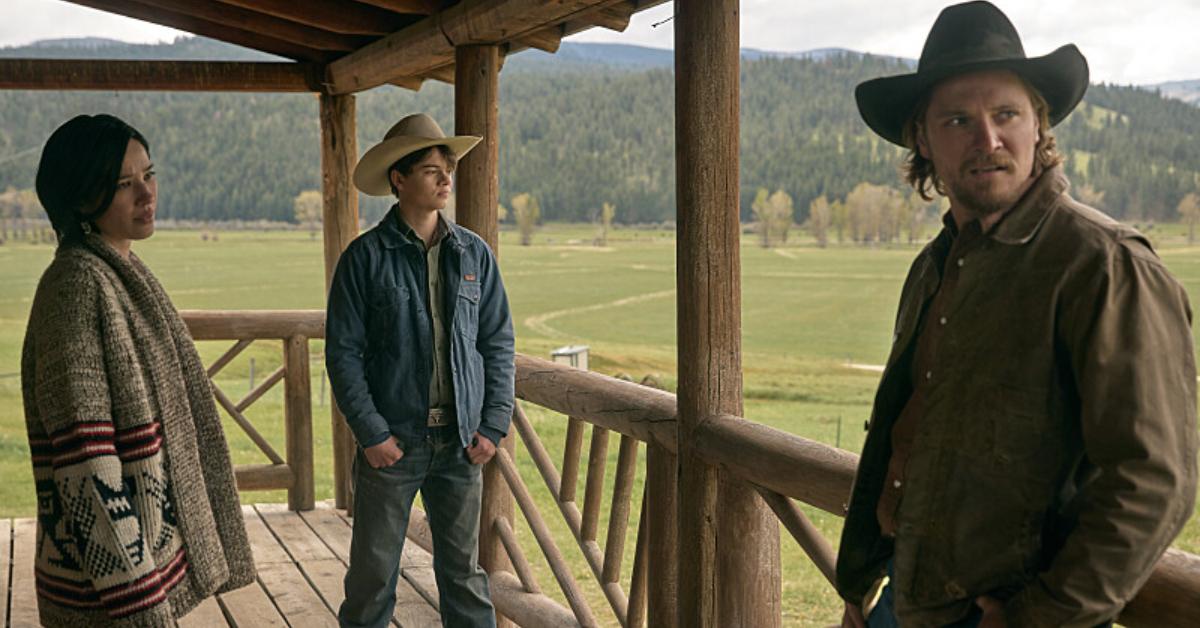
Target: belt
439,417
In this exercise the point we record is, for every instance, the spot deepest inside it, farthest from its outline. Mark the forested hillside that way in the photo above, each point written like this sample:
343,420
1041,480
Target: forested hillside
583,132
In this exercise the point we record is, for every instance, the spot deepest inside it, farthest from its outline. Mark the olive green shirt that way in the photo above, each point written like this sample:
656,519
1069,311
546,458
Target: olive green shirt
441,387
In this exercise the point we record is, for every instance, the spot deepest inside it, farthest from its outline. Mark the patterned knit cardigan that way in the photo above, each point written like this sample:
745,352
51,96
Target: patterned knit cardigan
138,515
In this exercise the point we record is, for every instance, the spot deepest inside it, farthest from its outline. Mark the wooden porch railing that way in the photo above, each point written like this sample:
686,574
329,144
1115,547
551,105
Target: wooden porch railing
294,470
782,466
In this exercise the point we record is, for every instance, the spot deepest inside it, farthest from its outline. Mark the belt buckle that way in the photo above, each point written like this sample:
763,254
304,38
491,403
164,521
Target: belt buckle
437,417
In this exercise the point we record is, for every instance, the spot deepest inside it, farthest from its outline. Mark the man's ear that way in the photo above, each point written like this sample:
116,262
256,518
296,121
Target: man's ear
922,145
397,179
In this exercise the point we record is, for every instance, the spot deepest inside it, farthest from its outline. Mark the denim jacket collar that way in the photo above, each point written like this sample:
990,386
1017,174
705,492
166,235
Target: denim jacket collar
393,237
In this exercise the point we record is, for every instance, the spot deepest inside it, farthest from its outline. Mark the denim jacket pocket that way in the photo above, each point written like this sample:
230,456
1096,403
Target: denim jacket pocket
386,308
467,315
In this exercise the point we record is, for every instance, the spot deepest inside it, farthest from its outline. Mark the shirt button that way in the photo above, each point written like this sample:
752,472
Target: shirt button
928,374
942,320
896,483
960,262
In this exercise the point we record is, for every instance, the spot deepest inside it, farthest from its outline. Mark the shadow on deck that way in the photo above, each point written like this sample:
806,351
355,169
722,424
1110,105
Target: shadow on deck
301,559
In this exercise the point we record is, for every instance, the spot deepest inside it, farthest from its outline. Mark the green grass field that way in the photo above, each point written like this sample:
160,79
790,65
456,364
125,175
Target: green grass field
807,314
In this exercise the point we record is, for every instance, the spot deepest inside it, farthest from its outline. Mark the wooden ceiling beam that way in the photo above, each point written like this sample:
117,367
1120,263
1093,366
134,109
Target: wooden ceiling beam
444,74
254,22
429,44
417,7
347,18
614,17
547,39
206,28
187,76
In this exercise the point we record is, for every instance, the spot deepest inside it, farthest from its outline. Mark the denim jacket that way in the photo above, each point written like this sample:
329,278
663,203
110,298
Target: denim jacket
379,340
1056,457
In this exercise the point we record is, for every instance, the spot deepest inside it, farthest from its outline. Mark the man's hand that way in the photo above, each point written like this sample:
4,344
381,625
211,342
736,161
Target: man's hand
481,450
384,454
853,617
993,612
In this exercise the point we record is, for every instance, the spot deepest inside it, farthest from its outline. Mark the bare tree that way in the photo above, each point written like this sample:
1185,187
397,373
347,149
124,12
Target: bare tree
527,211
819,217
607,212
1189,212
307,207
774,215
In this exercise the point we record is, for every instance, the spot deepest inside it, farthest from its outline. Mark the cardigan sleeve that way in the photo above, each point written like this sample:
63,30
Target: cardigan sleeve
87,508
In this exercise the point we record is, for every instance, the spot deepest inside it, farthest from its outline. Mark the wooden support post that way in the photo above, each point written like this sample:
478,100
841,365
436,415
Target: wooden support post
297,407
662,512
476,112
730,574
339,150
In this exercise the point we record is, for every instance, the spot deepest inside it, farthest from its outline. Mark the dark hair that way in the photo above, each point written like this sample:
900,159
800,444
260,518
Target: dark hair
919,171
405,164
77,175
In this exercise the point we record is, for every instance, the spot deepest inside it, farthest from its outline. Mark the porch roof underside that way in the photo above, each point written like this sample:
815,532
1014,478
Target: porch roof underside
336,46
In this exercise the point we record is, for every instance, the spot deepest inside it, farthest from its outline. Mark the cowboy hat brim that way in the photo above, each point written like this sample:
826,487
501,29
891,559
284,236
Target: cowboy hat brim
1061,77
371,173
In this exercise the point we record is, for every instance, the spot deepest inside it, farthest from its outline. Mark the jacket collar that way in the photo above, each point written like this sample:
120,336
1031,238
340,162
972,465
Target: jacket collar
1023,221
394,236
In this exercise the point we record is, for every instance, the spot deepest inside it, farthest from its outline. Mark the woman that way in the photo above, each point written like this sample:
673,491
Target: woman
135,525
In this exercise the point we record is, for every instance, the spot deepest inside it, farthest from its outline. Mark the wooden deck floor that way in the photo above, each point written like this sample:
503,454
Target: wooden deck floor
301,558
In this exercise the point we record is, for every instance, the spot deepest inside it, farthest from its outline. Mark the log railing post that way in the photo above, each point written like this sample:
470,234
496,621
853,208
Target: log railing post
662,513
297,408
476,92
339,150
730,574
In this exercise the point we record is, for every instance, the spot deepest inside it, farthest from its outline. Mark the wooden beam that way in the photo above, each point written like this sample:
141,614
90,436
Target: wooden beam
339,151
348,18
208,28
110,75
239,324
429,44
417,7
547,39
254,22
445,74
737,583
297,410
614,17
476,112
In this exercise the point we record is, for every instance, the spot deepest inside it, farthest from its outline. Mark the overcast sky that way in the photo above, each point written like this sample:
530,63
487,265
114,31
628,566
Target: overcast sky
1125,41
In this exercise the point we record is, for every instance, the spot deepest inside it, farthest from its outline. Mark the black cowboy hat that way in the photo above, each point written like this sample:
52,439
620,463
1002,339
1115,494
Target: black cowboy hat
971,37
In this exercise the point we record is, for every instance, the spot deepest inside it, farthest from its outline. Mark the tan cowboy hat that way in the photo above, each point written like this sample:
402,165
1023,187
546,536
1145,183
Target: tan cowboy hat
410,134
972,37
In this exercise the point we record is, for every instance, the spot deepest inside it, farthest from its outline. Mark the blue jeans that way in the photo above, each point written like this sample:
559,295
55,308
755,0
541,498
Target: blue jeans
451,489
884,613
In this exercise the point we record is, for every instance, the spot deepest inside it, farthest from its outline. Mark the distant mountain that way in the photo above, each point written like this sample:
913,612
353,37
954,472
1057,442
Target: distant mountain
591,125
196,48
1187,91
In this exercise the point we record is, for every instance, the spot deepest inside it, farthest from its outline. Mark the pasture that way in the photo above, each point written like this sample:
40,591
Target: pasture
808,314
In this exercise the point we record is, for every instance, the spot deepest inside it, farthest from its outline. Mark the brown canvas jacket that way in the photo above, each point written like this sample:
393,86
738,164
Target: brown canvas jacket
1056,460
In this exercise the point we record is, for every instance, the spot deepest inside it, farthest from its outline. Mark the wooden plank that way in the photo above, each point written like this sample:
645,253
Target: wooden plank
254,22
298,540
266,548
23,613
297,408
332,529
420,7
5,556
251,607
327,577
348,18
413,609
114,74
295,598
238,324
416,565
207,614
208,28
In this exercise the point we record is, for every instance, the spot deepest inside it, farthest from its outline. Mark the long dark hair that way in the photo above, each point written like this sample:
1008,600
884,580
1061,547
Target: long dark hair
77,175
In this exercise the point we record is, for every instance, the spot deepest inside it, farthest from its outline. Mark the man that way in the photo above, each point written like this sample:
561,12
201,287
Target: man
1031,451
419,352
